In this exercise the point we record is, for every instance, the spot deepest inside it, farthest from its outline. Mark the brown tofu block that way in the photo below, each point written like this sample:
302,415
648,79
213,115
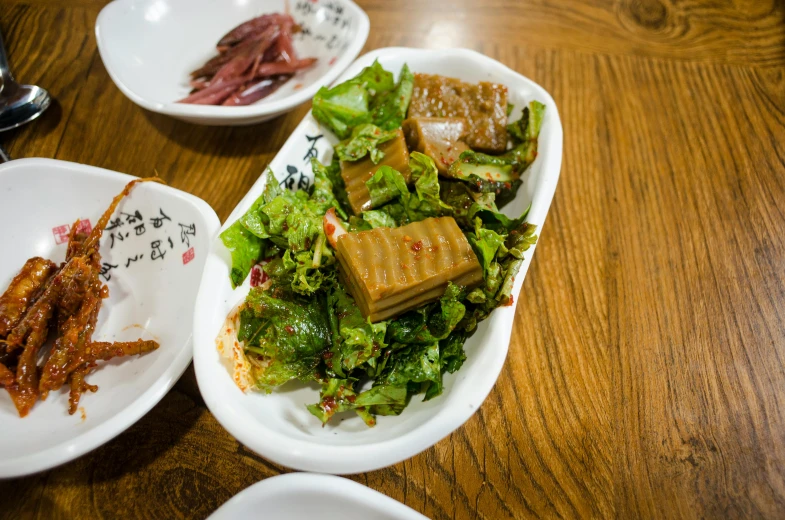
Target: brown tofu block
440,138
356,173
392,270
484,105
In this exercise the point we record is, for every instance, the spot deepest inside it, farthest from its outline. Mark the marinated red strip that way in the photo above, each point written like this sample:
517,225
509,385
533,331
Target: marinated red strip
215,91
21,292
255,92
284,45
277,68
246,29
238,65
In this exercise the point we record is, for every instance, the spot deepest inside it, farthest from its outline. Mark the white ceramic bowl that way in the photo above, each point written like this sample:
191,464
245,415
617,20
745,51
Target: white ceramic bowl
149,47
148,298
277,425
306,496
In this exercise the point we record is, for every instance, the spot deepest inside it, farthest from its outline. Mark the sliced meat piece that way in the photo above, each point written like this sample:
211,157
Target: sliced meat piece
390,271
356,173
440,138
484,105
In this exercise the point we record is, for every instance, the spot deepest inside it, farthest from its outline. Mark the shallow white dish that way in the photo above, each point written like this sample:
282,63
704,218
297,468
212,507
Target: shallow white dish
277,425
148,298
305,496
150,46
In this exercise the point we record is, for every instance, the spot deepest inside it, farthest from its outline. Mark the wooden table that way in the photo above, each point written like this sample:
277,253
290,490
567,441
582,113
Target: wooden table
646,372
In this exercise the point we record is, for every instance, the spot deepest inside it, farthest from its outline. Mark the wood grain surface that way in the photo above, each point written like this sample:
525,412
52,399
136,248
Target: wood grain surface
646,371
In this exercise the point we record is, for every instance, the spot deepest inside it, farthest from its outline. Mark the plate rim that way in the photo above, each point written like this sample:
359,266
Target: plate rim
107,430
349,459
308,482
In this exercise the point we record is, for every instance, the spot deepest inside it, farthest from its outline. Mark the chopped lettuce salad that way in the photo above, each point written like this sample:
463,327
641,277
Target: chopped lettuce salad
304,323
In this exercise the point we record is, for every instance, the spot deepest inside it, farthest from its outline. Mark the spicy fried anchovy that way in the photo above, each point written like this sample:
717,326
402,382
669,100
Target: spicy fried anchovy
68,349
20,294
79,386
104,351
6,376
37,316
90,245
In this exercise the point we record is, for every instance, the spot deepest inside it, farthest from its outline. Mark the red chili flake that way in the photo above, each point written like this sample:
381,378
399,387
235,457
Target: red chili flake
329,228
351,398
256,276
508,185
328,403
307,242
407,238
445,160
285,226
289,329
333,59
511,301
327,355
417,246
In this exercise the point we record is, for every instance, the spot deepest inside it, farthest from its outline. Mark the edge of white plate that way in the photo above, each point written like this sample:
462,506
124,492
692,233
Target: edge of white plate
310,456
350,490
104,432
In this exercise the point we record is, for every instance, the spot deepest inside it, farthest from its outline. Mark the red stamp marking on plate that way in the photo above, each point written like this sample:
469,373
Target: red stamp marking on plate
61,233
84,227
188,256
333,59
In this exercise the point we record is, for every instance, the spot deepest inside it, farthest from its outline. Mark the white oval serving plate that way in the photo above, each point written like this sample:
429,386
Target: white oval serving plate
152,285
277,425
306,496
149,47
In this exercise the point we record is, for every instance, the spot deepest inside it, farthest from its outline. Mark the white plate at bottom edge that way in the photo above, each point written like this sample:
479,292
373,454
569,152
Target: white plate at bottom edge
306,496
278,425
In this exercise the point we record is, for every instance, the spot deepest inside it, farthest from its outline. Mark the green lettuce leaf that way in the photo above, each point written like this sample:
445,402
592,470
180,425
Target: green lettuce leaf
329,178
346,105
364,140
388,110
357,341
339,395
284,337
386,184
245,249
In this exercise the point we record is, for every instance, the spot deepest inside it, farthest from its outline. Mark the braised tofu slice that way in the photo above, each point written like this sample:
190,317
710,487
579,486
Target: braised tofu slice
356,173
392,270
483,105
440,138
